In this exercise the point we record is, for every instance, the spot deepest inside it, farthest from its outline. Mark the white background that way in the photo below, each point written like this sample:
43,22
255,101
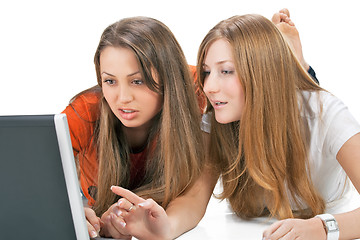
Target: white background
47,47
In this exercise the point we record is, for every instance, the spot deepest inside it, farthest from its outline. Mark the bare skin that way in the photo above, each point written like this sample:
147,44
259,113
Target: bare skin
287,28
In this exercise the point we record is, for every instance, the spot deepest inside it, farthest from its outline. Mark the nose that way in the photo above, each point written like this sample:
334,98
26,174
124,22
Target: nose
211,83
125,94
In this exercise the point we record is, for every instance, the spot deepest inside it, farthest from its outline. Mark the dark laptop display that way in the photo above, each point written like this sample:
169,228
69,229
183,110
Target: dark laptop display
40,196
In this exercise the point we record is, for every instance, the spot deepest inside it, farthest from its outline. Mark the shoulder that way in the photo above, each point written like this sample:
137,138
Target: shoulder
82,114
320,103
329,120
85,105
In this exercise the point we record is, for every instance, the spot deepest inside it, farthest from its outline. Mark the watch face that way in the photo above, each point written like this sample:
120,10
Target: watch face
331,225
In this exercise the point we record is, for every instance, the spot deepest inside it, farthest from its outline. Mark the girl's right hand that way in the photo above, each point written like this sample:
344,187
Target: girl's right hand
93,222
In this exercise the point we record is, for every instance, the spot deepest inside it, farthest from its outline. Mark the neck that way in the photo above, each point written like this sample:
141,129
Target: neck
137,137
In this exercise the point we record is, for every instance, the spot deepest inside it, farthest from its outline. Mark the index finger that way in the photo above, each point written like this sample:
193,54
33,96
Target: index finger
130,196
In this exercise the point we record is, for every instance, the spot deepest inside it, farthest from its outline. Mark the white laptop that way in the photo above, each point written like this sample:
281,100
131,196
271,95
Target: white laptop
39,188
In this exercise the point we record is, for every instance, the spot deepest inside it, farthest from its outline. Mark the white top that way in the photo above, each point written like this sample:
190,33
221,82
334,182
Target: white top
330,126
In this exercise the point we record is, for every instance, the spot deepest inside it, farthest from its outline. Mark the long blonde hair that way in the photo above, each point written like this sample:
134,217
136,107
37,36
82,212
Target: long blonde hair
175,144
264,156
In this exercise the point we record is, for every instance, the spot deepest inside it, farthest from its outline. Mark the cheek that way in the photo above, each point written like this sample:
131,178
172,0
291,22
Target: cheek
205,89
108,96
152,99
158,103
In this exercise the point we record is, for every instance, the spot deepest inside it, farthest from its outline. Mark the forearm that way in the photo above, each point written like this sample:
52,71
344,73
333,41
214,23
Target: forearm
184,214
186,211
349,224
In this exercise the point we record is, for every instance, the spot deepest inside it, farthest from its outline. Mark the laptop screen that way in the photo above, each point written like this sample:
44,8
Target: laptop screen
35,197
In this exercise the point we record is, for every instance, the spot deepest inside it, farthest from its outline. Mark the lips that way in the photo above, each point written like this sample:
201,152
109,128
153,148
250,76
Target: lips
218,104
127,111
127,114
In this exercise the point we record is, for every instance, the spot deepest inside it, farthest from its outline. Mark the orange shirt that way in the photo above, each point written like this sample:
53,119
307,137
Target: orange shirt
82,115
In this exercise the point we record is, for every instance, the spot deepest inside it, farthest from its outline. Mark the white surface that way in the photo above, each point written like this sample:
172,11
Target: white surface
47,47
220,222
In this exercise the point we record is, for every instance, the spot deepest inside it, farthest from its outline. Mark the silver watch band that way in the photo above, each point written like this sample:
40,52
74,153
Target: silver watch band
331,226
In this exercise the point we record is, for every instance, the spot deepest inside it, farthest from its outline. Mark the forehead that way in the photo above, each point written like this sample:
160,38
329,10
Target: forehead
219,51
112,58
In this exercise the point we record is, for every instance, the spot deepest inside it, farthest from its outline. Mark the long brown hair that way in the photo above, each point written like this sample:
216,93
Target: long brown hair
264,156
175,162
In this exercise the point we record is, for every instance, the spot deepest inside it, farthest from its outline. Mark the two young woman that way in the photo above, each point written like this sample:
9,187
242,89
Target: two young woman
271,133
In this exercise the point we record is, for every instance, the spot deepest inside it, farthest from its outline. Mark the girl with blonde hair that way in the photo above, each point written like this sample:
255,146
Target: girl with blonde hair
139,128
284,147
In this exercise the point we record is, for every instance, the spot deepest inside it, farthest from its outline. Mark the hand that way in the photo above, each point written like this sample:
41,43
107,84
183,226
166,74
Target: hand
298,229
144,219
287,28
92,221
113,224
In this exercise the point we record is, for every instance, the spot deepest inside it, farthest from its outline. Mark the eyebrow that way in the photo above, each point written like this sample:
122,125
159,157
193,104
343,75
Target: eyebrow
219,62
129,75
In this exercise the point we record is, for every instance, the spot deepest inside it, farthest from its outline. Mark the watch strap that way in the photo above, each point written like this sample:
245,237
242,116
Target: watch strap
331,226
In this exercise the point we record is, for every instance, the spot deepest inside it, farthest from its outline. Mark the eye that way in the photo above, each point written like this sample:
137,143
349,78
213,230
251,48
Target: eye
206,73
137,81
226,72
109,81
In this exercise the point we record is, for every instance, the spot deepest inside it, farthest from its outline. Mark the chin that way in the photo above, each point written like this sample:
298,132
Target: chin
222,120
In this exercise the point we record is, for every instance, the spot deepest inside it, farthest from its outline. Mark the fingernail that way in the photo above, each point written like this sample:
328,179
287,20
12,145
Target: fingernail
112,216
143,204
119,202
111,187
97,227
93,234
117,212
123,224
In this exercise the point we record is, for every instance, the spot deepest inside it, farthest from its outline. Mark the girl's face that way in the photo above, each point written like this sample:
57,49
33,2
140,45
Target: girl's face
222,85
124,88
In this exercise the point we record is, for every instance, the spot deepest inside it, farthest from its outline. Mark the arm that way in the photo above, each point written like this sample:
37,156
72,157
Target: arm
81,115
186,211
145,219
349,158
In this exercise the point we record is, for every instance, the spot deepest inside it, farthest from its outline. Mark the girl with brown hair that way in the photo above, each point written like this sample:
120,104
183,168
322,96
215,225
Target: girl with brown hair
284,147
139,128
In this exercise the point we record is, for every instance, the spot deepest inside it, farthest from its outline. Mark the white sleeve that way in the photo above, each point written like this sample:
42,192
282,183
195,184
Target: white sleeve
206,122
339,124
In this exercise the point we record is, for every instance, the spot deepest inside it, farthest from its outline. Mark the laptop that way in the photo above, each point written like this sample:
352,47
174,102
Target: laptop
39,189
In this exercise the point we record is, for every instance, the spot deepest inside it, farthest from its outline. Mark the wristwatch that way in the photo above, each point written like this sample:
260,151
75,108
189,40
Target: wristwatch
330,225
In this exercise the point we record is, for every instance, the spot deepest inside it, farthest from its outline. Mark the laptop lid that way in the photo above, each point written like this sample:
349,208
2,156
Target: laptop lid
40,192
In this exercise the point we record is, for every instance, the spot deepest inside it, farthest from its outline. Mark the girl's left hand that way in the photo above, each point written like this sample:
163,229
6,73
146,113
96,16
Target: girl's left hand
296,229
144,219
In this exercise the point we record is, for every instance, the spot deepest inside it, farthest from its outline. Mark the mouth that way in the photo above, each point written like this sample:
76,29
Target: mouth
127,110
220,103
